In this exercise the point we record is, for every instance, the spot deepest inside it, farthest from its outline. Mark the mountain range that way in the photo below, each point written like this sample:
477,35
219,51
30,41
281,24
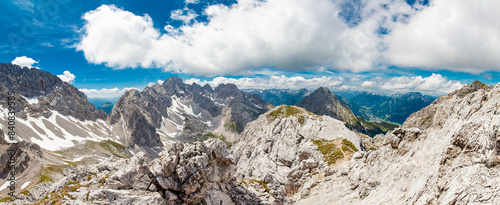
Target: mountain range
178,143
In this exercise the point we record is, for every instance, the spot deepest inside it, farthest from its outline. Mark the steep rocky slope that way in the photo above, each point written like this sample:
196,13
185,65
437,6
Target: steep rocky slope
324,102
281,96
39,93
394,108
183,112
446,153
283,149
198,173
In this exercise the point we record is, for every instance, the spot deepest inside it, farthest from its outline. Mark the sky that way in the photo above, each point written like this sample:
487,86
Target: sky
106,47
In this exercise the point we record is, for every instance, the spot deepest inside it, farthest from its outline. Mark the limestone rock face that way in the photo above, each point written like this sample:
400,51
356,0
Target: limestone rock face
198,173
277,149
174,109
47,93
447,153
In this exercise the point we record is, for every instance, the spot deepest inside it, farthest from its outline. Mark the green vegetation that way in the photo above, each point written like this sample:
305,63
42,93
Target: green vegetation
45,178
58,197
287,111
210,135
25,192
112,147
7,199
233,127
348,146
331,153
103,180
261,182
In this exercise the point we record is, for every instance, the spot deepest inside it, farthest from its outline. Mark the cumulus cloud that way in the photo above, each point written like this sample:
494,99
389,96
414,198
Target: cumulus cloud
184,15
24,61
153,83
435,85
67,77
294,35
286,34
272,82
458,35
105,93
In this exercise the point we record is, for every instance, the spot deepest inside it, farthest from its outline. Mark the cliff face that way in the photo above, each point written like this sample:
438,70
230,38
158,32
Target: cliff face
41,92
183,112
447,153
285,146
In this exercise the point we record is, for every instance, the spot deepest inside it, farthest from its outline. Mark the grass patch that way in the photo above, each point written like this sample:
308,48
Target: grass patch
348,145
45,178
287,111
331,153
210,135
59,196
25,192
7,199
103,180
233,127
261,182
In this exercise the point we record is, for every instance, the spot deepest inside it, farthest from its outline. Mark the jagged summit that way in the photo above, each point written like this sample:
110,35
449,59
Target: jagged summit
41,92
180,111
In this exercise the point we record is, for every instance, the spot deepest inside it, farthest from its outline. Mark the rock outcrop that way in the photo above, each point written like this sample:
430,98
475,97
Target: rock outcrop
447,153
282,150
199,173
166,110
46,92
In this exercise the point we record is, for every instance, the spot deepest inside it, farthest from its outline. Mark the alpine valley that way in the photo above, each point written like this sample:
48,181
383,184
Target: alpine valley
178,143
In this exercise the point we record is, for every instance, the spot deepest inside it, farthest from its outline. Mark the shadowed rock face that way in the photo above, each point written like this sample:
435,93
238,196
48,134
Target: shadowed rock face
50,92
144,111
324,102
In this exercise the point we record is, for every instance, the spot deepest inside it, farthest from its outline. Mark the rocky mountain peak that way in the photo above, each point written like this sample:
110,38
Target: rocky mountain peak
324,102
47,93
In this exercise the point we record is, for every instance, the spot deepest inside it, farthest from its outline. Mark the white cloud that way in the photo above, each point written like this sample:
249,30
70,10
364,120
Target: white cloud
434,85
192,1
24,61
153,83
67,77
294,35
287,34
106,93
272,82
118,38
458,35
179,15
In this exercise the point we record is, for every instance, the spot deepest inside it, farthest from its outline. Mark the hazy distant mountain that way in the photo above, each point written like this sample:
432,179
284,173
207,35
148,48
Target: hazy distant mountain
324,102
107,107
99,101
393,108
281,96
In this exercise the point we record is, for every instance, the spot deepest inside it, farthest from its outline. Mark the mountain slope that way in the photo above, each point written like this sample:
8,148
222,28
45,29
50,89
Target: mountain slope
284,146
175,110
324,102
394,108
446,153
281,96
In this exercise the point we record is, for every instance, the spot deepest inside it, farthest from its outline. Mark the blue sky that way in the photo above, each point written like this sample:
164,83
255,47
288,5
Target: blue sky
382,46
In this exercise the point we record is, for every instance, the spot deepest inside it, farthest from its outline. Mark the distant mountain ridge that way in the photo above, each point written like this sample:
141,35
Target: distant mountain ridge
280,96
182,111
392,108
324,102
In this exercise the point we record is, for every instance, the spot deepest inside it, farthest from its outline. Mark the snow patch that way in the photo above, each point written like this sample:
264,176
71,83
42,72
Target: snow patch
25,184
